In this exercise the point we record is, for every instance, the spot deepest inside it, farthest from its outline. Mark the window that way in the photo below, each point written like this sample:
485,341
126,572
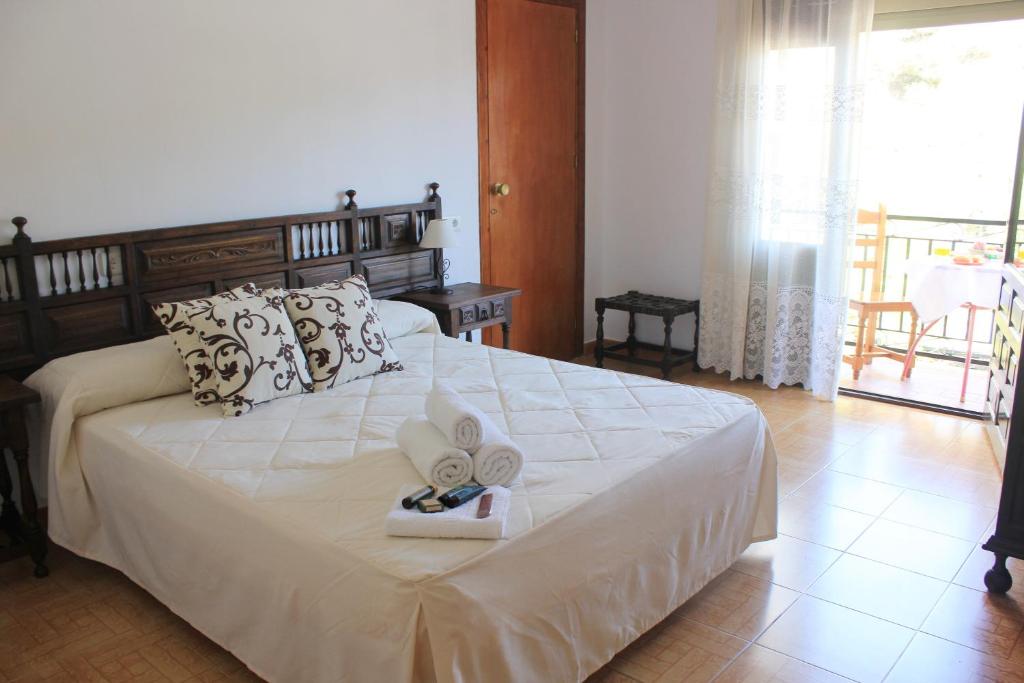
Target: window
799,102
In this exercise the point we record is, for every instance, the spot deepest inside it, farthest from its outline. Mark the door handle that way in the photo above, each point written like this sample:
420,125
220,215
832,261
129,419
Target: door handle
501,189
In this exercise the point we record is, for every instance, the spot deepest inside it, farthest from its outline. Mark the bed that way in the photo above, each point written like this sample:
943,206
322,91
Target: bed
266,531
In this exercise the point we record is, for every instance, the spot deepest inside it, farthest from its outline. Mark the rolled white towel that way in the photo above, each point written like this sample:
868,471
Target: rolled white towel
462,423
434,458
497,462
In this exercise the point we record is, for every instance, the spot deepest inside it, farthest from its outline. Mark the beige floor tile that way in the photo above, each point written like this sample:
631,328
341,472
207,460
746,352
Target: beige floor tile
940,514
889,467
968,486
697,653
988,623
837,639
609,675
739,604
821,523
834,428
760,665
851,492
934,660
789,562
779,418
808,451
886,592
983,463
793,476
969,446
904,440
917,550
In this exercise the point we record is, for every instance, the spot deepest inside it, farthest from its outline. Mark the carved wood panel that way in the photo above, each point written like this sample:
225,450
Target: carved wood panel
263,281
165,258
150,323
398,230
311,277
397,271
79,326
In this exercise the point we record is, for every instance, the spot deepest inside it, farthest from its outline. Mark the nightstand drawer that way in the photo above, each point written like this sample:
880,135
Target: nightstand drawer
483,311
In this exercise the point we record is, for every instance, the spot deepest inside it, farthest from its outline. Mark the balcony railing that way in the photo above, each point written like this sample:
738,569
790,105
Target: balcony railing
949,338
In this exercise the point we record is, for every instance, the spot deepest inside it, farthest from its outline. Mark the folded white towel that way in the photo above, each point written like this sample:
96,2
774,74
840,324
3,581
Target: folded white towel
462,423
436,460
498,461
460,522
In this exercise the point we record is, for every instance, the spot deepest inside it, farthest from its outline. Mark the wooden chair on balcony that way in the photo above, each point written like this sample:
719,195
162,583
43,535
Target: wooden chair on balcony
869,304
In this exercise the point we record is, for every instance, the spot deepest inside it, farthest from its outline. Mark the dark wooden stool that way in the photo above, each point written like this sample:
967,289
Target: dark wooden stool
664,307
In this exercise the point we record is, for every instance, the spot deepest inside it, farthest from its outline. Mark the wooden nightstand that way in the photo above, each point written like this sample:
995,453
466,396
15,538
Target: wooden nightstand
469,307
14,396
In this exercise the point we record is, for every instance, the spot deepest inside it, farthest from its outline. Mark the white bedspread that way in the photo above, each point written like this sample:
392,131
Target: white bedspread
266,532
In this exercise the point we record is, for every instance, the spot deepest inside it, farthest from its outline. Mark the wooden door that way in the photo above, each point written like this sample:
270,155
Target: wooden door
530,71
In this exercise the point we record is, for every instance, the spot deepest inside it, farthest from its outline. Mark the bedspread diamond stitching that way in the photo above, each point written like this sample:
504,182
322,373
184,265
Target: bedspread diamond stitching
305,453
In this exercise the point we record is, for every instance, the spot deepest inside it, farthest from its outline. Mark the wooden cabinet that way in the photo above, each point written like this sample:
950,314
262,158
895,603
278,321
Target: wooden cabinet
1004,390
1007,428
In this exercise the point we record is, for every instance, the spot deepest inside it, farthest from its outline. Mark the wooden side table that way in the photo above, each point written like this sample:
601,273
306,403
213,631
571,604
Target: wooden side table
664,307
24,527
469,307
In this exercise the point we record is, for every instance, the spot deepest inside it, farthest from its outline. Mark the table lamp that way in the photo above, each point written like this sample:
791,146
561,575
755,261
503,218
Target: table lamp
441,233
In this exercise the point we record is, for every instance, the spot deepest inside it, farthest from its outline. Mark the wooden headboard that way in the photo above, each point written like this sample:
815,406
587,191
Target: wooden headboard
64,296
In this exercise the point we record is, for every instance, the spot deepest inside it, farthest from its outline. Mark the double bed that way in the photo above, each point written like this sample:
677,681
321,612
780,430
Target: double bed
266,531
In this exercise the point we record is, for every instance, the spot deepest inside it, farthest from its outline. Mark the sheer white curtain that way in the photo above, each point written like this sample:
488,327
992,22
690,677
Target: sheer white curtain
783,195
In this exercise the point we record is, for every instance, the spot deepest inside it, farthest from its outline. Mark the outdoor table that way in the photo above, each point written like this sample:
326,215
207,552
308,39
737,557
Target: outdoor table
937,286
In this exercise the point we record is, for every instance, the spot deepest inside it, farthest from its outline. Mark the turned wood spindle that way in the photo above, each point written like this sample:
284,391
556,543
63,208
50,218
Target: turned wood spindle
107,267
67,272
81,272
53,277
7,294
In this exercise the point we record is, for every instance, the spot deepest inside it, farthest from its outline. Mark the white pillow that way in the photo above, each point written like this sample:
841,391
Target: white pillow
255,355
400,318
177,318
340,332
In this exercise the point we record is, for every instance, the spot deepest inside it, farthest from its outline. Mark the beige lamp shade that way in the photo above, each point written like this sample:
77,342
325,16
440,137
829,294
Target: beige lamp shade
441,233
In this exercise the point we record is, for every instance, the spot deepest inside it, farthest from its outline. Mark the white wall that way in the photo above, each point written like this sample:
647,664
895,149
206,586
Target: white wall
128,114
650,76
119,114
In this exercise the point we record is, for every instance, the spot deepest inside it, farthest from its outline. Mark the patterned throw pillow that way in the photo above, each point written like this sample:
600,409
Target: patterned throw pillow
253,350
340,332
177,317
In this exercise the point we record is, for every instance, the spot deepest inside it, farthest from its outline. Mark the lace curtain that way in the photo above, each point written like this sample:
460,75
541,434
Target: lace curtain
782,200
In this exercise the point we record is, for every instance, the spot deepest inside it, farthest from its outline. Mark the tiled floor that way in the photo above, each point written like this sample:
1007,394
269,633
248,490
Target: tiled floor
877,572
876,575
933,381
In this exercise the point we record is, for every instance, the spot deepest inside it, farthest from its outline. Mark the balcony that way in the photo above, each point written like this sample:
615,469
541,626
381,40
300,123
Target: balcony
938,372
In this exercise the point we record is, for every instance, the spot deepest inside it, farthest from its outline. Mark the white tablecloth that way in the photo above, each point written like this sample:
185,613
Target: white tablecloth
937,286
